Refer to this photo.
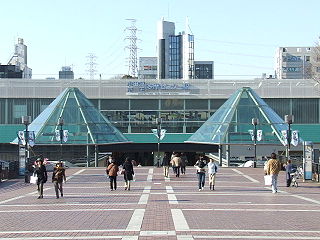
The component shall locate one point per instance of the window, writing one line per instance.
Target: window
(307, 58)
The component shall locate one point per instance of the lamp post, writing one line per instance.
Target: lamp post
(289, 120)
(26, 121)
(255, 122)
(61, 122)
(158, 122)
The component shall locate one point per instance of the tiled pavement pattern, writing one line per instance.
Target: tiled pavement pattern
(241, 207)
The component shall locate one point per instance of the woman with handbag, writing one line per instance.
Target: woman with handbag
(41, 173)
(112, 171)
(128, 173)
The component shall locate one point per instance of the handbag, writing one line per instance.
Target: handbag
(267, 180)
(33, 179)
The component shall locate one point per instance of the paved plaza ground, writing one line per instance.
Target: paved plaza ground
(241, 207)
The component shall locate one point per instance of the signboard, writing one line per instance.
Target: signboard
(162, 133)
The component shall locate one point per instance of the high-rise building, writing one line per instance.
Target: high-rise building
(66, 73)
(20, 59)
(294, 62)
(175, 52)
(203, 70)
(147, 68)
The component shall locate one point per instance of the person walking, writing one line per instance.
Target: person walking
(166, 164)
(41, 172)
(176, 164)
(112, 171)
(58, 176)
(289, 169)
(201, 172)
(273, 168)
(184, 161)
(128, 173)
(212, 170)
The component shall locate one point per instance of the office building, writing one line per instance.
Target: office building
(66, 73)
(294, 62)
(203, 70)
(20, 59)
(175, 52)
(147, 68)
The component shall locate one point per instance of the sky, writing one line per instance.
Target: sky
(240, 36)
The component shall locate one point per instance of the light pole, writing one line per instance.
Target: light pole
(289, 120)
(26, 120)
(255, 122)
(61, 122)
(158, 122)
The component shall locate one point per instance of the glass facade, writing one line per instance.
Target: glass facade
(175, 57)
(179, 115)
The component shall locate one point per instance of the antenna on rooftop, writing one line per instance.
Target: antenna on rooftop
(133, 49)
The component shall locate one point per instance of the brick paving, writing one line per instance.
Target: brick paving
(241, 207)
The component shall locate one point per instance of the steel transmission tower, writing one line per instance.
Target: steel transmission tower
(91, 65)
(133, 57)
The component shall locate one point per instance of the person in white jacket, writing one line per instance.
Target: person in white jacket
(212, 170)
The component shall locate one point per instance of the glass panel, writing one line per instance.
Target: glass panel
(114, 104)
(143, 115)
(171, 104)
(216, 103)
(116, 115)
(196, 115)
(144, 104)
(305, 110)
(196, 104)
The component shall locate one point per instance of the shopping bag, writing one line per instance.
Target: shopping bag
(33, 179)
(267, 180)
(134, 177)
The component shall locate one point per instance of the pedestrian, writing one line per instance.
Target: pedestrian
(112, 171)
(201, 172)
(41, 172)
(128, 173)
(166, 164)
(58, 176)
(289, 169)
(212, 170)
(184, 161)
(273, 168)
(176, 164)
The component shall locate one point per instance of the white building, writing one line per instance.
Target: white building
(294, 62)
(20, 59)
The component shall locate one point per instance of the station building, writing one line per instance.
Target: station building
(133, 105)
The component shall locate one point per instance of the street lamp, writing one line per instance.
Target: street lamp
(289, 119)
(26, 120)
(61, 122)
(158, 122)
(255, 122)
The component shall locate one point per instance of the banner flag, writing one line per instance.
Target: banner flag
(31, 138)
(259, 135)
(251, 134)
(58, 135)
(295, 138)
(21, 138)
(65, 135)
(162, 133)
(285, 136)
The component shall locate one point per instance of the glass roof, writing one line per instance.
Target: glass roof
(85, 124)
(232, 122)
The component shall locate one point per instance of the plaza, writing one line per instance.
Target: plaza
(241, 207)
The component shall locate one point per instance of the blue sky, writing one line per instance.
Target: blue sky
(240, 36)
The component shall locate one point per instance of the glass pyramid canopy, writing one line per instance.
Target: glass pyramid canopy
(232, 122)
(85, 124)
